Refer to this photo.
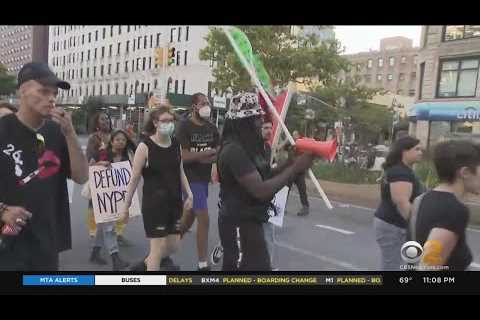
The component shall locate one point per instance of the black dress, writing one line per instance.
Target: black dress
(162, 194)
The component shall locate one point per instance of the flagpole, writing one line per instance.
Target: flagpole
(254, 77)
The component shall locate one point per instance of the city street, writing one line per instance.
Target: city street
(326, 240)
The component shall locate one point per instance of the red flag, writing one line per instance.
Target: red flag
(279, 104)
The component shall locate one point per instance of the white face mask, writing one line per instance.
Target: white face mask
(166, 129)
(204, 113)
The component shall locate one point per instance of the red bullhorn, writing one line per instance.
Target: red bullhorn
(325, 149)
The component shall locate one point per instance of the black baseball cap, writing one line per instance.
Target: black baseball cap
(40, 72)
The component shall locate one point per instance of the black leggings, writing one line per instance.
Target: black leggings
(255, 256)
(302, 189)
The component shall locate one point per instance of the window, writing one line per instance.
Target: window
(93, 90)
(390, 77)
(104, 33)
(176, 86)
(125, 87)
(117, 69)
(133, 65)
(127, 45)
(402, 76)
(118, 48)
(86, 90)
(126, 66)
(458, 78)
(151, 41)
(183, 86)
(95, 55)
(94, 72)
(178, 57)
(172, 30)
(103, 52)
(145, 38)
(111, 31)
(89, 37)
(403, 60)
(81, 57)
(138, 42)
(369, 63)
(134, 44)
(411, 92)
(101, 70)
(422, 73)
(461, 32)
(186, 33)
(380, 62)
(96, 37)
(179, 34)
(119, 31)
(155, 84)
(88, 55)
(144, 62)
(109, 69)
(88, 72)
(391, 61)
(138, 64)
(149, 63)
(185, 58)
(100, 90)
(158, 40)
(148, 87)
(379, 77)
(128, 28)
(110, 50)
(142, 87)
(81, 73)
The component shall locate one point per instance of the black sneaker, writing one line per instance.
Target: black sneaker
(304, 212)
(95, 257)
(139, 266)
(216, 255)
(167, 264)
(204, 269)
(122, 242)
(118, 263)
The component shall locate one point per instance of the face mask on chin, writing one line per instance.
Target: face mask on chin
(204, 113)
(166, 129)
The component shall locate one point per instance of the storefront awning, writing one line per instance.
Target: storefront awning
(446, 111)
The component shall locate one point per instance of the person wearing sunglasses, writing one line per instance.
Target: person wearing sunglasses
(39, 150)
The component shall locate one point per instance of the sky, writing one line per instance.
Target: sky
(362, 38)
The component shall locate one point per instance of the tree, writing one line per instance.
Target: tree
(8, 83)
(286, 56)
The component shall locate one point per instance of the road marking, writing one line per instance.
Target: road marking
(347, 205)
(473, 230)
(334, 229)
(333, 261)
(475, 265)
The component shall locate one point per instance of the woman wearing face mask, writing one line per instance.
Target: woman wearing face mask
(120, 148)
(159, 160)
(399, 188)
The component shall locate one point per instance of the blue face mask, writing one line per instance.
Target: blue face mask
(166, 129)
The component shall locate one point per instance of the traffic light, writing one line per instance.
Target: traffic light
(159, 56)
(171, 56)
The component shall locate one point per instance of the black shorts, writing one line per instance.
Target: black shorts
(26, 254)
(161, 222)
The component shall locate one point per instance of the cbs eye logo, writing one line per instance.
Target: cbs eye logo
(411, 252)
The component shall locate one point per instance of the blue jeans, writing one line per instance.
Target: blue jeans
(390, 238)
(106, 236)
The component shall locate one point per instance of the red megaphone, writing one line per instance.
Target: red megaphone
(327, 149)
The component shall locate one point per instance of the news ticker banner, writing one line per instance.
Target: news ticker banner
(202, 280)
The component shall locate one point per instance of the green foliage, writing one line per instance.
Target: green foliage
(285, 56)
(8, 83)
(337, 172)
(425, 171)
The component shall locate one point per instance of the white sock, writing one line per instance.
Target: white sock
(202, 264)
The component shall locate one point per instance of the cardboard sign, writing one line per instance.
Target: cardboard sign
(109, 188)
(280, 202)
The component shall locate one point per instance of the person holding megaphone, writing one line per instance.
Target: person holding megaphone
(248, 185)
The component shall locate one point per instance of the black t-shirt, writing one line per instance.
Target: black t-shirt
(443, 210)
(387, 211)
(44, 172)
(235, 200)
(197, 138)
